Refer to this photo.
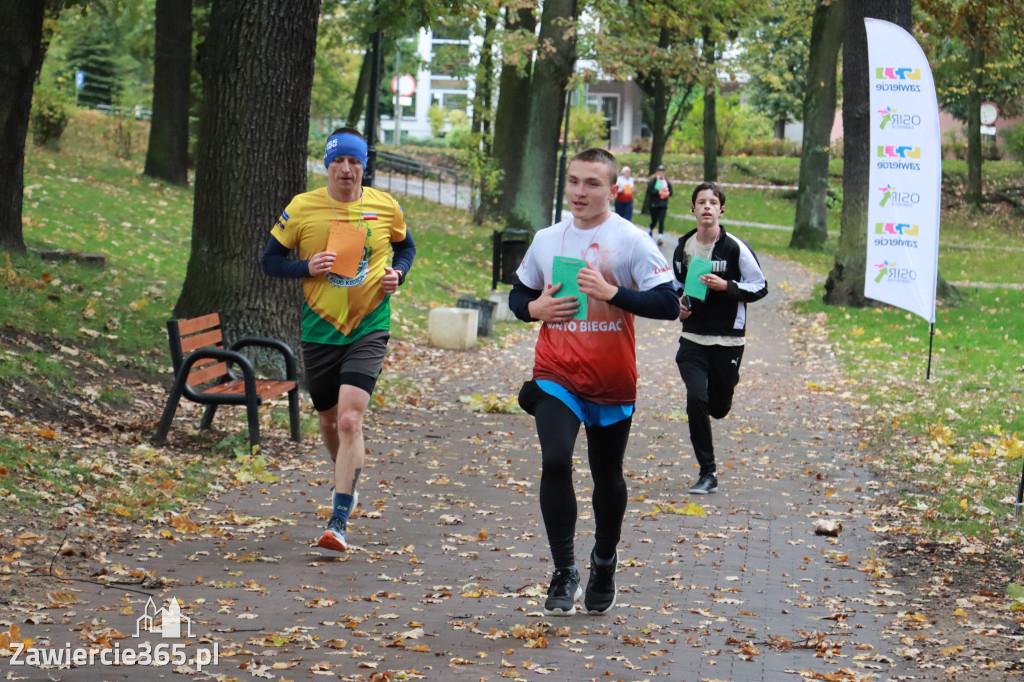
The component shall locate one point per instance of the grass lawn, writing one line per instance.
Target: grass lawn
(952, 443)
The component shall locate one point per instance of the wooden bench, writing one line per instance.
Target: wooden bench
(203, 373)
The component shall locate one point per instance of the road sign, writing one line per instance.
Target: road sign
(404, 85)
(79, 80)
(989, 113)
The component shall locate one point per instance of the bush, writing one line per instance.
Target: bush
(834, 194)
(642, 145)
(954, 145)
(768, 147)
(438, 116)
(315, 143)
(51, 111)
(737, 125)
(125, 134)
(587, 128)
(461, 137)
(836, 150)
(1013, 140)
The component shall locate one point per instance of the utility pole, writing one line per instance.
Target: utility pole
(398, 99)
(372, 107)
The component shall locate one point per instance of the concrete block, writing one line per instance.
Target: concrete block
(502, 313)
(452, 328)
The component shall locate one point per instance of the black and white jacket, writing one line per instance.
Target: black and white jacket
(723, 313)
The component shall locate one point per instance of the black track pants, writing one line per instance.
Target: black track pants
(710, 374)
(557, 428)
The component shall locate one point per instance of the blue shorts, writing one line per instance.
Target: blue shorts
(588, 412)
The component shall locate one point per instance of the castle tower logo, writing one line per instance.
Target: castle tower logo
(167, 622)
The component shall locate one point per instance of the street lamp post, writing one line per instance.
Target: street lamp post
(371, 111)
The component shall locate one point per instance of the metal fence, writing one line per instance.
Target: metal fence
(447, 186)
(401, 175)
(137, 112)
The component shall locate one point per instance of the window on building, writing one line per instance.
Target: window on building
(451, 31)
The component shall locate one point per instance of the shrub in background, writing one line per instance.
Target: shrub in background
(759, 146)
(642, 145)
(1013, 140)
(738, 125)
(125, 134)
(438, 116)
(954, 145)
(461, 134)
(587, 128)
(52, 105)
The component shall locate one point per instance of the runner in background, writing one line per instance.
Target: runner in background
(624, 196)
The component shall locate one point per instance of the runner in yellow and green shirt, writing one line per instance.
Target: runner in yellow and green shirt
(345, 235)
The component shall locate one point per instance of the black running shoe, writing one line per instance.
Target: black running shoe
(563, 593)
(601, 592)
(707, 483)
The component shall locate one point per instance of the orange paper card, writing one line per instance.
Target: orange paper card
(346, 240)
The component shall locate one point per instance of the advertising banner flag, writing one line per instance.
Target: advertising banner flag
(906, 173)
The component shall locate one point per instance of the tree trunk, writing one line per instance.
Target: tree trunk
(810, 228)
(257, 69)
(535, 195)
(976, 66)
(511, 112)
(659, 138)
(167, 154)
(355, 112)
(658, 90)
(484, 84)
(710, 121)
(845, 283)
(23, 47)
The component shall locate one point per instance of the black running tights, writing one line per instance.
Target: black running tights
(557, 428)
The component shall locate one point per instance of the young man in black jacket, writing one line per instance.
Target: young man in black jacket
(712, 340)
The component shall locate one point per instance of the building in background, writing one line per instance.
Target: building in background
(619, 101)
(450, 86)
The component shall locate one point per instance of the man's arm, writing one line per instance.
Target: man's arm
(659, 303)
(519, 300)
(276, 262)
(752, 285)
(405, 252)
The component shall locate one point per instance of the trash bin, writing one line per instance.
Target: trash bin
(485, 313)
(513, 247)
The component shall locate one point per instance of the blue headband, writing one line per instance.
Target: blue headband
(345, 144)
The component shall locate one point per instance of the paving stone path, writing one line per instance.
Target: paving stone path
(449, 565)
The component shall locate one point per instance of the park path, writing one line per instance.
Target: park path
(446, 576)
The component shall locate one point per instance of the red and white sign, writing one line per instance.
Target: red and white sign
(403, 85)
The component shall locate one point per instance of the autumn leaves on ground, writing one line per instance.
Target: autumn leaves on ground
(833, 423)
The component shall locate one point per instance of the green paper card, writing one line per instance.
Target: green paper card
(693, 287)
(563, 271)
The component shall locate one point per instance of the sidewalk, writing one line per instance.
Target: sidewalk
(449, 566)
